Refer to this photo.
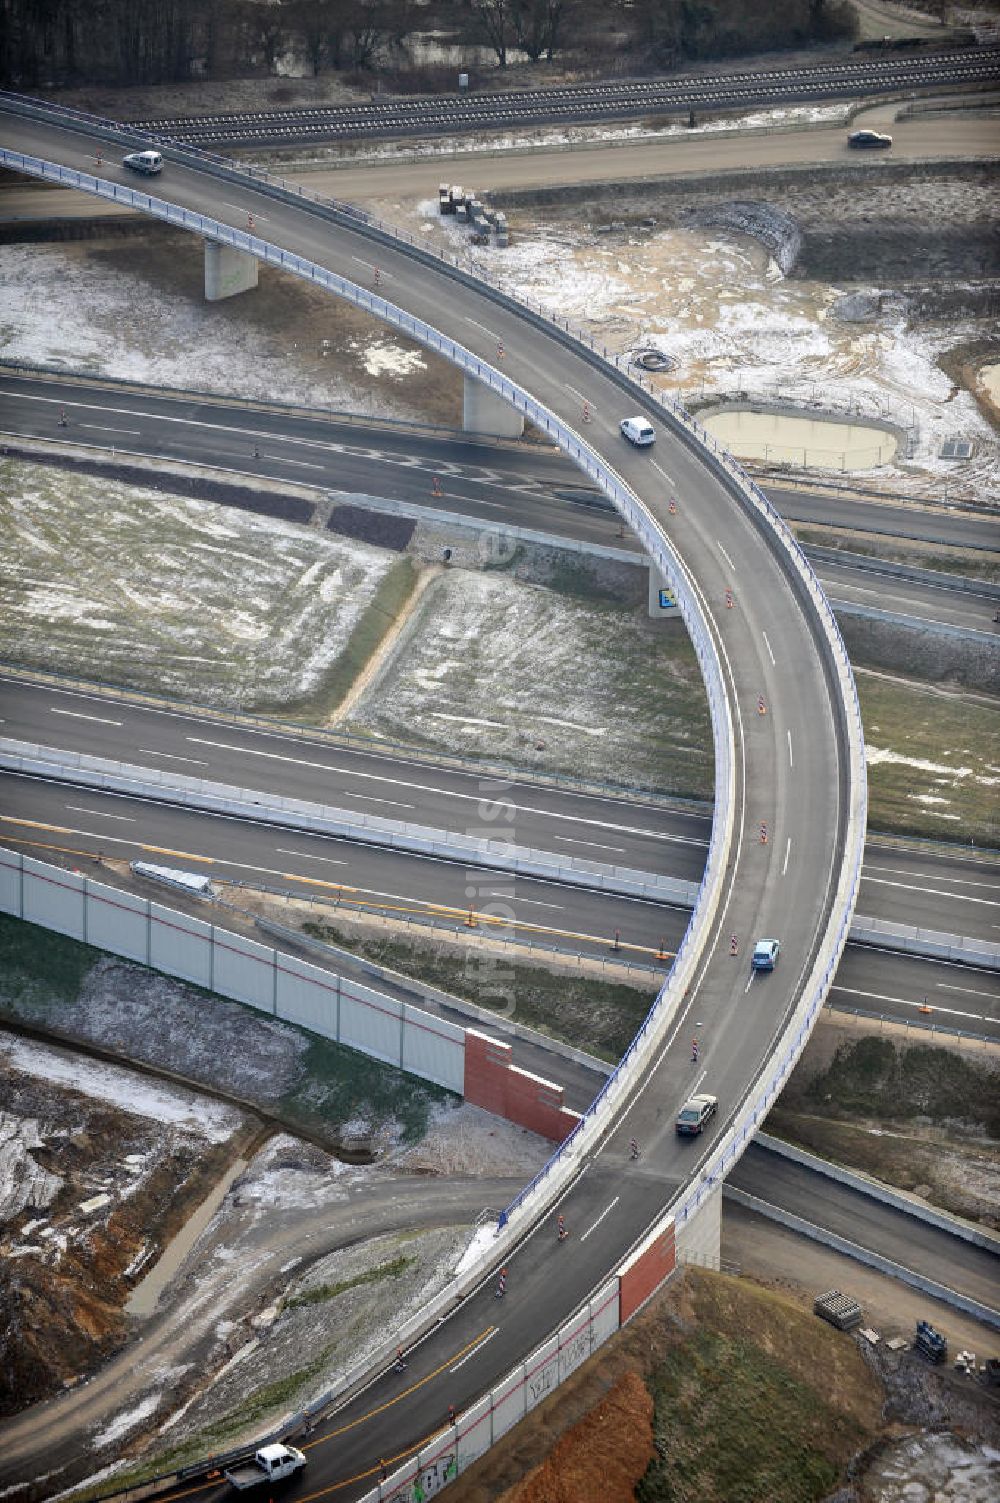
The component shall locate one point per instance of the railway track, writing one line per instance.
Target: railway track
(583, 104)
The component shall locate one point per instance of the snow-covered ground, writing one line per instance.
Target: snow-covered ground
(160, 592)
(494, 667)
(721, 308)
(133, 317)
(124, 1089)
(934, 1468)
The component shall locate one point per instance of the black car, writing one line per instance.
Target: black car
(694, 1114)
(868, 138)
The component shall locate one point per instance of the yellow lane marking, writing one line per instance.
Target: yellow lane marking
(214, 1480)
(352, 895)
(156, 850)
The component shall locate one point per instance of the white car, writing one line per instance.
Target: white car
(148, 162)
(638, 431)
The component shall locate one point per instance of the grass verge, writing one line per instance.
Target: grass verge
(973, 563)
(597, 1015)
(320, 1293)
(932, 763)
(377, 619)
(758, 1403)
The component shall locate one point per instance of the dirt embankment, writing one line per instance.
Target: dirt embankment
(117, 1187)
(721, 1389)
(921, 1117)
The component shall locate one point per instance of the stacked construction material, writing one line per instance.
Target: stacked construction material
(471, 210)
(930, 1343)
(839, 1309)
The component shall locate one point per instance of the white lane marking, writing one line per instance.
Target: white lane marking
(450, 793)
(595, 1224)
(725, 555)
(100, 814)
(788, 852)
(871, 866)
(933, 892)
(699, 1082)
(151, 751)
(970, 991)
(305, 856)
(769, 652)
(516, 898)
(475, 1350)
(791, 759)
(242, 209)
(76, 715)
(303, 464)
(571, 389)
(101, 428)
(750, 982)
(370, 798)
(661, 471)
(491, 332)
(383, 275)
(591, 844)
(952, 1012)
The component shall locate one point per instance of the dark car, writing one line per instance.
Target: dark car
(868, 138)
(694, 1114)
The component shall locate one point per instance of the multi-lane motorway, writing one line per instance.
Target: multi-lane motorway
(901, 883)
(528, 486)
(773, 649)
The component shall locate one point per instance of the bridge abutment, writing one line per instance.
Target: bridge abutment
(699, 1238)
(485, 412)
(228, 271)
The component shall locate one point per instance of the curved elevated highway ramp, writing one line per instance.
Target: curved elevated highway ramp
(789, 767)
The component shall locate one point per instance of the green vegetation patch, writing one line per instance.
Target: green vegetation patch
(932, 760)
(340, 1085)
(600, 1016)
(379, 616)
(46, 979)
(39, 966)
(320, 1293)
(756, 1404)
(874, 1077)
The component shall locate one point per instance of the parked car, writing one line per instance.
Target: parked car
(638, 431)
(868, 138)
(694, 1114)
(765, 953)
(148, 162)
(271, 1464)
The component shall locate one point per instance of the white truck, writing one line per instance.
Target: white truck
(269, 1464)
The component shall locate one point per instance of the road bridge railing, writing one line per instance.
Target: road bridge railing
(89, 771)
(651, 535)
(833, 922)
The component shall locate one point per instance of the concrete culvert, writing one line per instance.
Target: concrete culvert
(653, 360)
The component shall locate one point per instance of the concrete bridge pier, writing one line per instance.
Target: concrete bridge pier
(699, 1239)
(228, 271)
(484, 412)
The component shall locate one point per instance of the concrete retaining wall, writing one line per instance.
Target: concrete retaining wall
(865, 1255)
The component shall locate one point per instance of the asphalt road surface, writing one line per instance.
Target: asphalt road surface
(790, 769)
(917, 1245)
(948, 889)
(50, 820)
(525, 485)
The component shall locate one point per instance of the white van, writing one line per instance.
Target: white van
(144, 161)
(638, 431)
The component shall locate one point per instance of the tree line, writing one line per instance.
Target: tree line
(52, 43)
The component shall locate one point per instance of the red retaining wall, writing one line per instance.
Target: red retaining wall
(645, 1271)
(492, 1082)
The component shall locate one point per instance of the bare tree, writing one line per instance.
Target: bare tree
(494, 17)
